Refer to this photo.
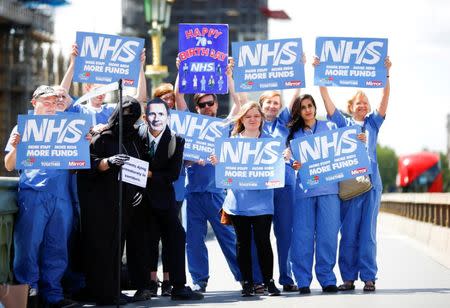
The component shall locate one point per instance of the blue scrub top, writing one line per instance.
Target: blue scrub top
(325, 189)
(180, 186)
(249, 202)
(278, 128)
(202, 179)
(372, 123)
(98, 116)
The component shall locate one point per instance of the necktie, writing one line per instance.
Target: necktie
(151, 151)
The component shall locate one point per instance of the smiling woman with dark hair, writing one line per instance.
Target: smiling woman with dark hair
(315, 216)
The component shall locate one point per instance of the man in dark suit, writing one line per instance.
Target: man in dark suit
(165, 157)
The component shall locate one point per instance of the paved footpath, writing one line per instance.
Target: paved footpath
(408, 277)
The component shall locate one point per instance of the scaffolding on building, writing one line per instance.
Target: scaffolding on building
(27, 60)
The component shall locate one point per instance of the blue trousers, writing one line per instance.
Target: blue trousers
(358, 246)
(41, 233)
(316, 222)
(282, 228)
(200, 208)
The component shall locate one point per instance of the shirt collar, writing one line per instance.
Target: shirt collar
(156, 139)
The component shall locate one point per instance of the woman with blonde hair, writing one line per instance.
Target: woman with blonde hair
(251, 209)
(358, 247)
(274, 124)
(165, 92)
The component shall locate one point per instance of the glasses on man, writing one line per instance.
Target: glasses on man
(203, 105)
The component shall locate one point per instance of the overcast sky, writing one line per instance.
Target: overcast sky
(419, 46)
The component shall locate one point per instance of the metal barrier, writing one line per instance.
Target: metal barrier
(426, 207)
(8, 206)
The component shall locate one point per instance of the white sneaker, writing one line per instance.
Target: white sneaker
(200, 287)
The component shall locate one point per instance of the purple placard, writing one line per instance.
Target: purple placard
(203, 54)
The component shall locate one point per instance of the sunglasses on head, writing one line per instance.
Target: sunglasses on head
(203, 105)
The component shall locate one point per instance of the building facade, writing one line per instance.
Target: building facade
(26, 61)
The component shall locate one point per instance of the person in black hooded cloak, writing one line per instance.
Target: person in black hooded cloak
(99, 216)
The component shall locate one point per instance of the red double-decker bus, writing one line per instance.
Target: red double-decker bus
(420, 172)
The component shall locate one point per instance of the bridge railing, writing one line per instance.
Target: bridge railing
(426, 207)
(8, 207)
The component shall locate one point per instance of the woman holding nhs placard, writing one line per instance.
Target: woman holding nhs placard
(275, 120)
(357, 249)
(316, 211)
(251, 211)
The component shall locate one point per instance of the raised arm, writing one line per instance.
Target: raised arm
(234, 96)
(10, 157)
(297, 90)
(141, 94)
(66, 82)
(180, 103)
(294, 97)
(382, 108)
(329, 105)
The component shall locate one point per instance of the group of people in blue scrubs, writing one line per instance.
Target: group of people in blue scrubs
(306, 222)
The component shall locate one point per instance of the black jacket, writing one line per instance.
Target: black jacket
(159, 191)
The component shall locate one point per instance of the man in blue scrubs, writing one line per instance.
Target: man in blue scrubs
(44, 219)
(204, 201)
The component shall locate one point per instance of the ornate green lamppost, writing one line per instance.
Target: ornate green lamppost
(157, 14)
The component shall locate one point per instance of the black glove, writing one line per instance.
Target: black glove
(117, 160)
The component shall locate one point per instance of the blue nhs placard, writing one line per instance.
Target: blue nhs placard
(268, 65)
(203, 54)
(250, 163)
(199, 132)
(351, 62)
(104, 58)
(53, 141)
(331, 156)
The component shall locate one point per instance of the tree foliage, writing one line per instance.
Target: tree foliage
(445, 173)
(388, 166)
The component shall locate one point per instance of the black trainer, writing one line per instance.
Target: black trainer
(304, 290)
(330, 289)
(65, 303)
(247, 289)
(290, 288)
(185, 293)
(142, 295)
(166, 288)
(272, 289)
(109, 301)
(153, 288)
